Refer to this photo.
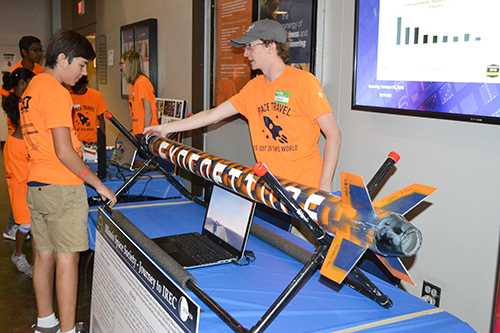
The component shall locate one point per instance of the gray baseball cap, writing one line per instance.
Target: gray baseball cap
(263, 29)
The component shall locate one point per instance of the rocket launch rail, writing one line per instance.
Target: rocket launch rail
(296, 200)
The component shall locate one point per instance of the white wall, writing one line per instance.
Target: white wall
(461, 225)
(174, 50)
(15, 22)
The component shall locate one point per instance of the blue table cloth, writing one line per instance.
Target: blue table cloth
(247, 292)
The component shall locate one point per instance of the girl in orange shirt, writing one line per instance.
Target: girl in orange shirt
(141, 98)
(16, 164)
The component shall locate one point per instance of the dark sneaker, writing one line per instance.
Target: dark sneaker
(54, 329)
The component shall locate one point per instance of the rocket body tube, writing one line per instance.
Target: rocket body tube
(237, 177)
(341, 216)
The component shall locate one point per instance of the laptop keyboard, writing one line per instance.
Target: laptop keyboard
(196, 248)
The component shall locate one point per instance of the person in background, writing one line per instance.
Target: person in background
(88, 111)
(31, 51)
(286, 110)
(56, 172)
(16, 164)
(141, 97)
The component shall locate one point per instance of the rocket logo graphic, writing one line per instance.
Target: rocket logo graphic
(275, 130)
(84, 120)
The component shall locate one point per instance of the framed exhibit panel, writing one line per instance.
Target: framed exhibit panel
(170, 110)
(231, 70)
(143, 38)
(298, 17)
(444, 66)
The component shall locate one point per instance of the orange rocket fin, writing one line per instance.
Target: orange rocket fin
(396, 267)
(404, 200)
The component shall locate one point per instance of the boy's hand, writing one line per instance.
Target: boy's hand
(106, 194)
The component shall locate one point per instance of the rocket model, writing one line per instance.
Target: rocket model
(357, 223)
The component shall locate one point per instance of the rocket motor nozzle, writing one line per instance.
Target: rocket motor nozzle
(395, 236)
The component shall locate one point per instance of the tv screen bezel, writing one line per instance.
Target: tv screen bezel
(406, 112)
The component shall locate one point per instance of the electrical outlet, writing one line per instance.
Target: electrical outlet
(431, 293)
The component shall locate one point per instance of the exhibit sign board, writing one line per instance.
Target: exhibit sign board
(298, 17)
(231, 70)
(130, 293)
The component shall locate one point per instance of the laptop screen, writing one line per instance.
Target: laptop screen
(228, 217)
(124, 152)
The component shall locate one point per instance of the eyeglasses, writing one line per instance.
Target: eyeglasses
(36, 50)
(249, 47)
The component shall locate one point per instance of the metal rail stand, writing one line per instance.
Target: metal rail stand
(149, 159)
(365, 286)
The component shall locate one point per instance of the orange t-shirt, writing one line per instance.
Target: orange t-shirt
(16, 168)
(46, 104)
(142, 88)
(37, 70)
(86, 109)
(282, 119)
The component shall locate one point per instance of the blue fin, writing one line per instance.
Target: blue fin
(341, 258)
(354, 193)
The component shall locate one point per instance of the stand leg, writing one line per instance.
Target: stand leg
(323, 238)
(151, 159)
(292, 289)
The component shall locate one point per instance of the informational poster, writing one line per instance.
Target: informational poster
(9, 60)
(231, 71)
(142, 45)
(297, 18)
(142, 37)
(130, 293)
(127, 45)
(170, 110)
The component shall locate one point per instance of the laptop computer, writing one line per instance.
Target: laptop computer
(124, 153)
(223, 237)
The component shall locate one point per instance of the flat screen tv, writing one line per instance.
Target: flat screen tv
(430, 58)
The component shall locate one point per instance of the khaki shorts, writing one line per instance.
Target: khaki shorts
(59, 217)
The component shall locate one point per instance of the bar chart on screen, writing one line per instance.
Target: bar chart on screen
(438, 41)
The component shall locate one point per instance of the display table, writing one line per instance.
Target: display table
(247, 292)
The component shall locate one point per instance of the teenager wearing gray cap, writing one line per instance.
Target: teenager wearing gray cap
(286, 109)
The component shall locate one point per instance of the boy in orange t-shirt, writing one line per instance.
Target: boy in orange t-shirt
(286, 110)
(56, 173)
(31, 51)
(88, 110)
